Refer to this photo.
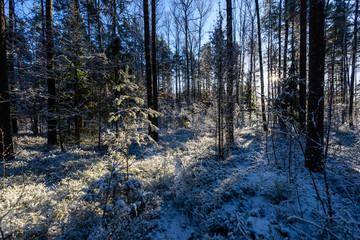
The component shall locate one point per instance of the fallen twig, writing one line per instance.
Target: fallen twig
(314, 224)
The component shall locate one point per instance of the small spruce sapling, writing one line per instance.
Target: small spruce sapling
(117, 193)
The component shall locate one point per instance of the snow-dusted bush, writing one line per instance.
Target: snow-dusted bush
(183, 120)
(117, 194)
(280, 191)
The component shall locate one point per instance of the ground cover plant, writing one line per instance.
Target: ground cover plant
(180, 189)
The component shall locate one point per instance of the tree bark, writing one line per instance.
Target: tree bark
(249, 82)
(314, 154)
(6, 147)
(88, 23)
(149, 87)
(230, 76)
(286, 16)
(261, 67)
(302, 83)
(186, 6)
(98, 21)
(279, 46)
(50, 55)
(155, 122)
(353, 67)
(14, 124)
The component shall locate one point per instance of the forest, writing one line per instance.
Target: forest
(179, 119)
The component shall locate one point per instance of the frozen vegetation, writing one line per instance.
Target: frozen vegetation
(181, 190)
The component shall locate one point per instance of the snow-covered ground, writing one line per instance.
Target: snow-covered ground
(253, 193)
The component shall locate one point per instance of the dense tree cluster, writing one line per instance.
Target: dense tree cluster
(61, 63)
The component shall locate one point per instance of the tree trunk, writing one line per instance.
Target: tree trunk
(11, 63)
(242, 74)
(279, 43)
(286, 16)
(353, 67)
(344, 72)
(155, 122)
(50, 77)
(149, 87)
(98, 21)
(77, 91)
(261, 67)
(249, 82)
(6, 147)
(230, 76)
(43, 29)
(187, 60)
(302, 83)
(114, 13)
(314, 154)
(88, 24)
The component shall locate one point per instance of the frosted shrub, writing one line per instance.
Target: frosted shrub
(183, 120)
(117, 194)
(280, 191)
(121, 202)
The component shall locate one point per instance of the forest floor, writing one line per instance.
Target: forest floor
(260, 190)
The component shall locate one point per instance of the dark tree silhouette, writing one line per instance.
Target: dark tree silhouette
(149, 87)
(50, 55)
(230, 76)
(5, 126)
(353, 66)
(261, 67)
(155, 122)
(14, 124)
(302, 83)
(315, 120)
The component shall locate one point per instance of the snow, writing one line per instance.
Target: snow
(190, 194)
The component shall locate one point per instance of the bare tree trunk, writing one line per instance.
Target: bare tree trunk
(279, 42)
(270, 63)
(177, 66)
(98, 20)
(230, 76)
(43, 29)
(14, 124)
(88, 23)
(149, 86)
(314, 153)
(155, 120)
(330, 99)
(77, 93)
(302, 83)
(261, 68)
(50, 55)
(344, 81)
(114, 15)
(286, 16)
(249, 85)
(242, 70)
(6, 147)
(186, 22)
(353, 67)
